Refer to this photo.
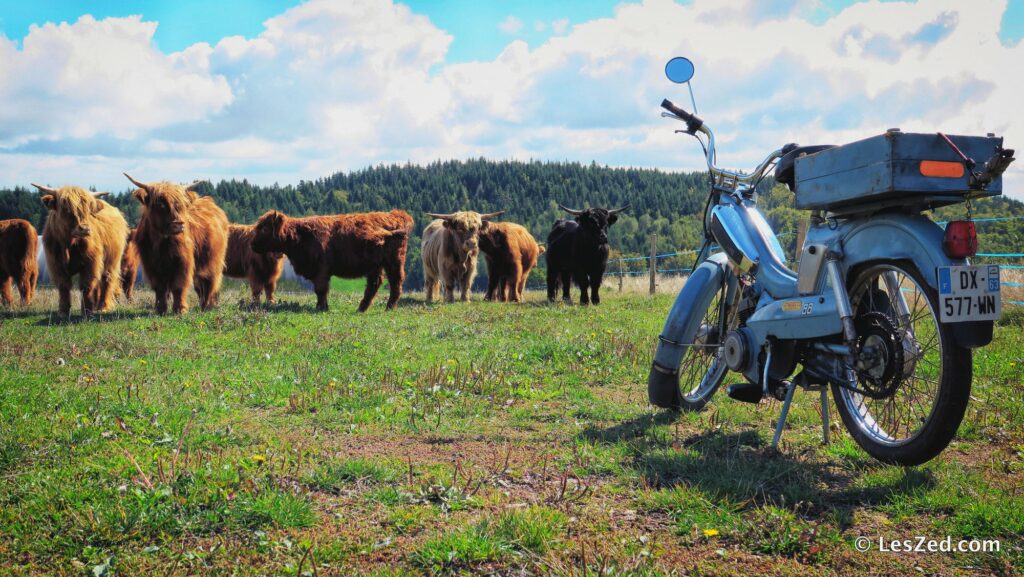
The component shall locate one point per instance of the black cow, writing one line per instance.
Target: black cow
(579, 251)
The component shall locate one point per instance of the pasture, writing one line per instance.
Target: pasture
(473, 438)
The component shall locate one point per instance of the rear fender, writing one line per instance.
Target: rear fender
(913, 238)
(683, 321)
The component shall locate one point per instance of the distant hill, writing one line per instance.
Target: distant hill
(669, 204)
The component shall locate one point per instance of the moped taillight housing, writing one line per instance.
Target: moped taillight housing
(961, 240)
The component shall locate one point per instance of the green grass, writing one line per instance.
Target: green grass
(456, 439)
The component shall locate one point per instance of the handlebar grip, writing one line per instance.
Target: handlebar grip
(693, 122)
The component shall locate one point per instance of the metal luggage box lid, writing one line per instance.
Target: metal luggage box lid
(885, 170)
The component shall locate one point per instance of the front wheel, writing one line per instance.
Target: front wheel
(703, 367)
(918, 377)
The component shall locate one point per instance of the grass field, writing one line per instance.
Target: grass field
(470, 438)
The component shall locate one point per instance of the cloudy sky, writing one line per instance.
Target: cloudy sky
(284, 91)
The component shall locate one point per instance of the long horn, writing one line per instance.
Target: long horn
(193, 186)
(620, 209)
(100, 194)
(141, 185)
(44, 188)
(571, 211)
(491, 215)
(441, 216)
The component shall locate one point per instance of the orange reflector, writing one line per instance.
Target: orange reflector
(942, 169)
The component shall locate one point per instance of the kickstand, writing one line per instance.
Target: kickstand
(782, 417)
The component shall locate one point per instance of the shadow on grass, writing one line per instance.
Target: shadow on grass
(55, 319)
(741, 467)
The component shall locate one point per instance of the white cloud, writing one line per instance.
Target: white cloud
(330, 86)
(510, 25)
(540, 26)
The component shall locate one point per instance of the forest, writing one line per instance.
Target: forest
(668, 204)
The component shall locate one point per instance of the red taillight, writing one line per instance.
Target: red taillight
(961, 239)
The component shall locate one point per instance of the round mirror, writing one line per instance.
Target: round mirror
(679, 70)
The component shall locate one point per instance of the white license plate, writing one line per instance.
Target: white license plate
(969, 293)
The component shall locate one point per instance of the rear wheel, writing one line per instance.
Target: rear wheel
(918, 377)
(703, 367)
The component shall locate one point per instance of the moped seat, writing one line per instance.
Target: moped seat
(784, 170)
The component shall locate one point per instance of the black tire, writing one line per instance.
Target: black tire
(698, 382)
(952, 385)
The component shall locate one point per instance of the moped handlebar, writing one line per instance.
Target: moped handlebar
(728, 179)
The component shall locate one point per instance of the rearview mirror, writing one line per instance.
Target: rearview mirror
(679, 70)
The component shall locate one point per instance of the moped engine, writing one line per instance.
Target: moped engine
(738, 350)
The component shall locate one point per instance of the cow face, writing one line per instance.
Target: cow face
(268, 233)
(71, 209)
(466, 228)
(594, 222)
(165, 205)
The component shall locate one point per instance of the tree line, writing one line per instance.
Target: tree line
(665, 203)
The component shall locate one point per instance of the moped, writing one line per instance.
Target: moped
(884, 306)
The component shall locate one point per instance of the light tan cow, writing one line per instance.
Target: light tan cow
(83, 236)
(451, 244)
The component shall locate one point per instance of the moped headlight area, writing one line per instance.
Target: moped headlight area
(729, 231)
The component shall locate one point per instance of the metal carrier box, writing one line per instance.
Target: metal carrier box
(893, 169)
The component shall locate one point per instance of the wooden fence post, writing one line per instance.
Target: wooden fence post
(622, 273)
(653, 261)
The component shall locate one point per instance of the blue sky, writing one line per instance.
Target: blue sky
(281, 90)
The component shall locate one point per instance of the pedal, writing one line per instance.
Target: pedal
(745, 392)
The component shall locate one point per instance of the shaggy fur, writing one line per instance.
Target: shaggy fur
(450, 247)
(182, 240)
(511, 253)
(83, 236)
(129, 266)
(261, 269)
(369, 245)
(578, 251)
(18, 248)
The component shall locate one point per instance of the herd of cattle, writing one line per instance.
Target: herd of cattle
(185, 240)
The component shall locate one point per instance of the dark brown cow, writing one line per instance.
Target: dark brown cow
(262, 269)
(511, 253)
(182, 240)
(369, 244)
(129, 266)
(83, 236)
(18, 250)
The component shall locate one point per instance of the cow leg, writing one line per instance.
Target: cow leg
(127, 285)
(595, 286)
(429, 287)
(567, 286)
(492, 285)
(64, 296)
(255, 287)
(512, 283)
(27, 287)
(583, 282)
(268, 290)
(213, 283)
(373, 282)
(521, 288)
(448, 287)
(552, 284)
(180, 298)
(162, 293)
(5, 291)
(90, 281)
(321, 286)
(396, 276)
(108, 288)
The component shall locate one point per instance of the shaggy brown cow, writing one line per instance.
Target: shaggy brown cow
(83, 236)
(450, 248)
(129, 266)
(182, 240)
(369, 244)
(261, 269)
(511, 253)
(18, 249)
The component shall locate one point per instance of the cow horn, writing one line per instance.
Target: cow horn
(441, 216)
(193, 186)
(100, 194)
(571, 211)
(491, 215)
(45, 188)
(141, 185)
(620, 209)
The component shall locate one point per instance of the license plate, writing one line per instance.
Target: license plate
(969, 293)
